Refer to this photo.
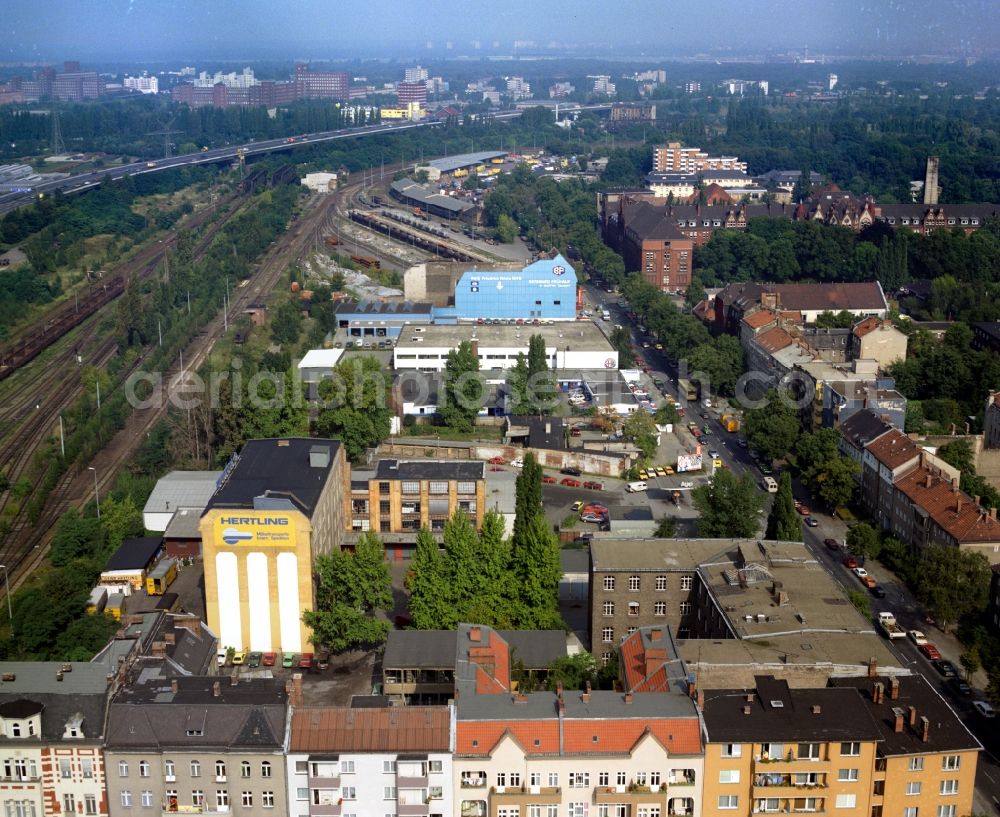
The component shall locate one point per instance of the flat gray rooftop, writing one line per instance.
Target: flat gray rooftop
(577, 335)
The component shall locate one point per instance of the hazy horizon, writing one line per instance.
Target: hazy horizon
(108, 30)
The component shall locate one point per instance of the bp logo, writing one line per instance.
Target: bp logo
(474, 286)
(558, 269)
(609, 363)
(231, 536)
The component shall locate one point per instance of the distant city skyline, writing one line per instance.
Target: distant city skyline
(316, 29)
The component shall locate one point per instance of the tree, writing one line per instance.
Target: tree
(286, 324)
(530, 381)
(622, 341)
(834, 482)
(506, 229)
(640, 428)
(120, 518)
(574, 671)
(952, 583)
(534, 556)
(863, 540)
(666, 528)
(773, 429)
(76, 537)
(835, 320)
(350, 588)
(356, 406)
(783, 522)
(428, 585)
(971, 661)
(461, 389)
(728, 506)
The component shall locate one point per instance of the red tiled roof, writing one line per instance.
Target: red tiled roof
(644, 667)
(832, 297)
(761, 317)
(774, 340)
(893, 449)
(869, 324)
(952, 510)
(619, 735)
(396, 729)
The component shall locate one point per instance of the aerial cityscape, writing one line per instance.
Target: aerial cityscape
(524, 410)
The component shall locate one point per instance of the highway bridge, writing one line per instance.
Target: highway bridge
(83, 181)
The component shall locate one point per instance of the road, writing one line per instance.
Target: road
(898, 599)
(83, 181)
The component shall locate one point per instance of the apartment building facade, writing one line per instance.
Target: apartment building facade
(674, 158)
(343, 762)
(198, 746)
(51, 737)
(405, 496)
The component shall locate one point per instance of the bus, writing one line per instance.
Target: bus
(688, 390)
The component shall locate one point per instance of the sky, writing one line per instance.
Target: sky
(328, 29)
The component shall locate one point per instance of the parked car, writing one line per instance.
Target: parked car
(831, 544)
(239, 657)
(877, 591)
(569, 482)
(960, 687)
(742, 443)
(802, 509)
(644, 474)
(594, 486)
(917, 637)
(945, 668)
(850, 562)
(269, 659)
(306, 660)
(548, 479)
(288, 660)
(573, 472)
(575, 432)
(930, 651)
(593, 516)
(577, 506)
(860, 572)
(222, 657)
(984, 709)
(595, 507)
(518, 463)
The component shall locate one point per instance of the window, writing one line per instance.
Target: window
(169, 770)
(245, 768)
(633, 608)
(732, 750)
(847, 775)
(65, 768)
(631, 630)
(383, 487)
(951, 763)
(195, 768)
(411, 487)
(265, 768)
(774, 751)
(729, 776)
(946, 811)
(347, 767)
(687, 582)
(661, 583)
(607, 635)
(852, 749)
(388, 792)
(659, 608)
(602, 778)
(911, 811)
(267, 799)
(913, 788)
(438, 487)
(608, 608)
(466, 487)
(435, 766)
(577, 810)
(197, 798)
(949, 787)
(143, 768)
(126, 798)
(69, 804)
(634, 583)
(808, 751)
(609, 582)
(847, 800)
(685, 608)
(384, 506)
(247, 799)
(222, 798)
(553, 779)
(90, 804)
(349, 793)
(579, 780)
(729, 801)
(123, 768)
(916, 764)
(509, 811)
(146, 799)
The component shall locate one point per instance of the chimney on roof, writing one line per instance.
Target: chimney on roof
(559, 689)
(655, 634)
(216, 689)
(993, 514)
(898, 724)
(67, 667)
(913, 716)
(234, 679)
(628, 697)
(692, 687)
(747, 709)
(817, 709)
(701, 699)
(894, 689)
(925, 729)
(561, 707)
(296, 697)
(954, 484)
(8, 676)
(475, 634)
(548, 426)
(958, 504)
(168, 638)
(59, 675)
(173, 685)
(928, 480)
(520, 698)
(878, 692)
(872, 667)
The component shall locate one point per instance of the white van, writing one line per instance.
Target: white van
(635, 487)
(770, 485)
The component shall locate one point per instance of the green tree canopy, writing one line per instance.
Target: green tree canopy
(784, 522)
(462, 389)
(728, 505)
(772, 429)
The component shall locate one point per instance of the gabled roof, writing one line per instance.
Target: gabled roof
(651, 223)
(893, 449)
(862, 427)
(760, 318)
(865, 295)
(650, 662)
(774, 339)
(951, 508)
(395, 729)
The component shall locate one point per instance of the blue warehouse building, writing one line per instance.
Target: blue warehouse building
(546, 289)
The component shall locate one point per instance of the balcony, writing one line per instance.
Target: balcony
(413, 809)
(325, 810)
(473, 783)
(411, 782)
(324, 782)
(762, 765)
(517, 795)
(632, 795)
(197, 810)
(782, 785)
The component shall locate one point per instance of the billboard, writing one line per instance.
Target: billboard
(239, 528)
(688, 462)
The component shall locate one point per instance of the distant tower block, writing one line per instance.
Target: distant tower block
(931, 180)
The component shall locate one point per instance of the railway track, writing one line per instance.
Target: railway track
(25, 552)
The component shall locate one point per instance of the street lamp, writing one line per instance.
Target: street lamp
(97, 497)
(6, 581)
